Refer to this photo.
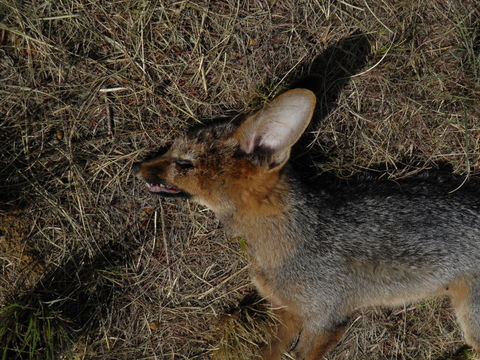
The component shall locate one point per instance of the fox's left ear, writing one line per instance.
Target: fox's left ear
(277, 127)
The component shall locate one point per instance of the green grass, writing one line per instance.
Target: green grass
(31, 332)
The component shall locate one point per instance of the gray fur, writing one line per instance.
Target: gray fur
(383, 248)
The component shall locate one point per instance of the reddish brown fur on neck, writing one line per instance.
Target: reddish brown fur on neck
(255, 190)
(260, 211)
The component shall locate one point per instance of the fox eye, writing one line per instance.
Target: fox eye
(184, 164)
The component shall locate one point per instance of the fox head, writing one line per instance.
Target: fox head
(233, 168)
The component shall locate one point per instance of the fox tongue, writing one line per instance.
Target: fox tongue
(162, 188)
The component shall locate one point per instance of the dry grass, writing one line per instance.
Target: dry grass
(88, 87)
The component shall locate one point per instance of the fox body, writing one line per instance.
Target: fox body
(319, 255)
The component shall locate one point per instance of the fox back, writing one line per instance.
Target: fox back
(318, 254)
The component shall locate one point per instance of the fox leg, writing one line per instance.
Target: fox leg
(465, 296)
(314, 345)
(286, 329)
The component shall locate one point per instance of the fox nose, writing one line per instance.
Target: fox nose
(136, 167)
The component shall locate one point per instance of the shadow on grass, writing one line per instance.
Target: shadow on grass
(332, 70)
(327, 76)
(11, 185)
(463, 353)
(65, 304)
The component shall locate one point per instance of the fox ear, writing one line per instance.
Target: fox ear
(277, 127)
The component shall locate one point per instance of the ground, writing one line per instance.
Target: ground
(93, 267)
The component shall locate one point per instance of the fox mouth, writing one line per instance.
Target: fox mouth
(165, 189)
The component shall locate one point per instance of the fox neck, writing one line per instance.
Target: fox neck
(266, 218)
(269, 243)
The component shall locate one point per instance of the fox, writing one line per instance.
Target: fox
(319, 255)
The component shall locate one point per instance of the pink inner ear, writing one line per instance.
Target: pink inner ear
(250, 142)
(278, 135)
(279, 124)
(247, 136)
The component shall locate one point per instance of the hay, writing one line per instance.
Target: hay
(89, 87)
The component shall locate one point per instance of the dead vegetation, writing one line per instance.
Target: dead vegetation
(89, 87)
